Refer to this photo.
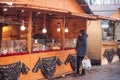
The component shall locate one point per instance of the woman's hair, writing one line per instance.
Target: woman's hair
(84, 34)
(82, 31)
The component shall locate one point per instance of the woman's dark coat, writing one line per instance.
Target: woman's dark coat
(81, 46)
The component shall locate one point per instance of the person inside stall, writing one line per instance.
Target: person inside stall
(41, 42)
(43, 38)
(109, 35)
(81, 49)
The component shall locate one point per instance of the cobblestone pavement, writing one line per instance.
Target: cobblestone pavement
(105, 72)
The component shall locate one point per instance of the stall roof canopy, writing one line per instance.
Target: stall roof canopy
(104, 10)
(84, 6)
(88, 13)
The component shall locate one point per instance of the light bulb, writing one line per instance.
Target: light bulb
(66, 30)
(105, 26)
(22, 28)
(44, 30)
(5, 9)
(58, 29)
(22, 10)
(38, 13)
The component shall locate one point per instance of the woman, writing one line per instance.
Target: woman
(81, 49)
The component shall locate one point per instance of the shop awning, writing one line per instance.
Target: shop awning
(40, 8)
(35, 8)
(51, 10)
(57, 11)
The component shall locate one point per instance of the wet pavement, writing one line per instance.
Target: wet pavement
(105, 72)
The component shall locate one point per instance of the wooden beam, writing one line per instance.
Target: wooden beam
(105, 18)
(83, 15)
(83, 4)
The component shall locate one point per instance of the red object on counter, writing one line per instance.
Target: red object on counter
(13, 54)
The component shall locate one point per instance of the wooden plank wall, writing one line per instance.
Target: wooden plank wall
(74, 25)
(6, 32)
(31, 59)
(94, 39)
(13, 32)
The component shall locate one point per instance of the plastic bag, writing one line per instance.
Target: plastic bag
(86, 63)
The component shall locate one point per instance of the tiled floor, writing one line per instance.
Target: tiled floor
(106, 72)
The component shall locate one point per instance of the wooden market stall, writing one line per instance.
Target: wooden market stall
(102, 40)
(40, 29)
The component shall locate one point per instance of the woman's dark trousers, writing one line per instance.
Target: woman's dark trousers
(79, 63)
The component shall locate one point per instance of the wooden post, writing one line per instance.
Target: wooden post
(86, 24)
(29, 32)
(0, 34)
(63, 32)
(114, 31)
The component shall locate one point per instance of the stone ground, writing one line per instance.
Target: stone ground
(105, 72)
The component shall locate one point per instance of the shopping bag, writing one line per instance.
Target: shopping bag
(86, 63)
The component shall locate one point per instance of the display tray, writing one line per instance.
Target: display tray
(69, 48)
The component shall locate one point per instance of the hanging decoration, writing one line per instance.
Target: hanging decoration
(44, 30)
(22, 28)
(47, 66)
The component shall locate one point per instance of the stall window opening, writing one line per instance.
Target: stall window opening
(107, 30)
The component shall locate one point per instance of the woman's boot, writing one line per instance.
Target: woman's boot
(76, 73)
(83, 72)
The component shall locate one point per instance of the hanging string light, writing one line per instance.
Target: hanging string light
(58, 27)
(5, 9)
(66, 28)
(22, 28)
(44, 30)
